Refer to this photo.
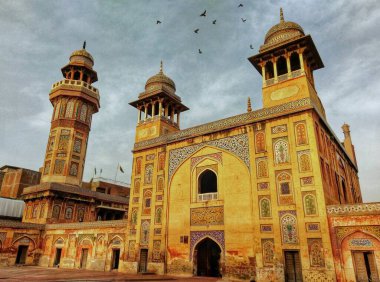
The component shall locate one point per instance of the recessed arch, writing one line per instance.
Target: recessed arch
(281, 66)
(25, 237)
(295, 63)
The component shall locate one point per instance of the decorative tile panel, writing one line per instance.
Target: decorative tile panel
(279, 129)
(216, 156)
(237, 145)
(313, 227)
(207, 216)
(266, 228)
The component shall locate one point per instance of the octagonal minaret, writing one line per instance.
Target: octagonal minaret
(75, 100)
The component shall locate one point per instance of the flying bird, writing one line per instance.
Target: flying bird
(158, 22)
(196, 31)
(240, 5)
(250, 46)
(199, 51)
(243, 20)
(203, 14)
(214, 22)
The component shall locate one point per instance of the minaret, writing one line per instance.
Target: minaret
(286, 62)
(75, 100)
(347, 143)
(159, 108)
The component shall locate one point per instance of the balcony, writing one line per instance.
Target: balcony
(74, 84)
(207, 197)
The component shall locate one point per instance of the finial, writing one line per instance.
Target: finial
(249, 108)
(84, 44)
(161, 68)
(281, 15)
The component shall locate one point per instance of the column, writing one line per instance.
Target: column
(275, 69)
(160, 107)
(166, 113)
(178, 118)
(146, 111)
(81, 75)
(138, 114)
(301, 61)
(288, 65)
(263, 74)
(153, 106)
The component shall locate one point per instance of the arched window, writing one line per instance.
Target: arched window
(56, 210)
(69, 109)
(265, 210)
(85, 77)
(138, 166)
(289, 229)
(283, 182)
(80, 214)
(269, 71)
(310, 205)
(281, 66)
(83, 112)
(158, 216)
(76, 75)
(207, 182)
(295, 61)
(68, 213)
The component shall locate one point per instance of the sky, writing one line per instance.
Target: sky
(37, 38)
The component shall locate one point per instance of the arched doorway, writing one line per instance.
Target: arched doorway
(208, 258)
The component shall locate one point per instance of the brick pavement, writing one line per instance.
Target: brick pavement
(35, 273)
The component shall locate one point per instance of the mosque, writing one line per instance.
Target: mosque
(266, 195)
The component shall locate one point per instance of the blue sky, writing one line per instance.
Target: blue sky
(127, 45)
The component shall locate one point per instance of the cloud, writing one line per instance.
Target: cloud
(122, 36)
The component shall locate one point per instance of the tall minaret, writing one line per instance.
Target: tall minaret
(74, 100)
(286, 61)
(159, 108)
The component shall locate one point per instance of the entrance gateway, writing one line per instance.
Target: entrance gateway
(365, 266)
(83, 259)
(57, 258)
(115, 259)
(207, 255)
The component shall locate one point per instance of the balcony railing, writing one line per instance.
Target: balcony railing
(283, 77)
(207, 197)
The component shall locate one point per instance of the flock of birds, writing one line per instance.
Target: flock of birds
(213, 22)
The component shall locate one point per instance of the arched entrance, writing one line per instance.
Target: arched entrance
(208, 258)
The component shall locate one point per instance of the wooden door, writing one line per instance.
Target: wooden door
(365, 267)
(143, 260)
(83, 260)
(293, 269)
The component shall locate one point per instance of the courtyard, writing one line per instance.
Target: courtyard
(35, 273)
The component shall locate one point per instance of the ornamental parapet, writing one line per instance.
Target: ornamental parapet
(89, 225)
(354, 209)
(234, 121)
(76, 85)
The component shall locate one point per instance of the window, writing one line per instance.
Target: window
(80, 214)
(207, 182)
(281, 66)
(68, 213)
(269, 71)
(56, 210)
(265, 210)
(295, 61)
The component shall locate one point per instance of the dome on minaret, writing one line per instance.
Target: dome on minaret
(159, 79)
(282, 32)
(82, 57)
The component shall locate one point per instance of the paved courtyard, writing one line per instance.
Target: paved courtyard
(34, 273)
